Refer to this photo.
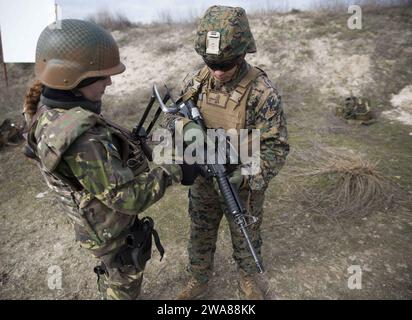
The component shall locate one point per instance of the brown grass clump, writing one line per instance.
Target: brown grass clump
(340, 182)
(111, 21)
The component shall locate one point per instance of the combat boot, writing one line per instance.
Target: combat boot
(194, 289)
(249, 287)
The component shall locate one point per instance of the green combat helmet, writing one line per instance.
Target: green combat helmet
(356, 109)
(73, 51)
(223, 34)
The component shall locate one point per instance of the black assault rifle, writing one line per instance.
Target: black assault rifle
(218, 171)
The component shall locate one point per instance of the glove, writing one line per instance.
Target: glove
(193, 129)
(236, 179)
(189, 173)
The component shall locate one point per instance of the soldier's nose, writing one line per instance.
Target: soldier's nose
(219, 73)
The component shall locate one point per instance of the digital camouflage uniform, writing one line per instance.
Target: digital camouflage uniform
(99, 174)
(247, 101)
(206, 208)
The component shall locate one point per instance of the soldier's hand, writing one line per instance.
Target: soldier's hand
(193, 133)
(236, 178)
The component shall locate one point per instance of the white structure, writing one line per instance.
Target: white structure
(21, 22)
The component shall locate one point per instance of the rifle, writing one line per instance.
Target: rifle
(139, 133)
(218, 171)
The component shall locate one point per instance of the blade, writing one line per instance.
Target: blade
(165, 109)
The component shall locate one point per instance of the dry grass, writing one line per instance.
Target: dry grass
(340, 182)
(342, 5)
(169, 17)
(111, 21)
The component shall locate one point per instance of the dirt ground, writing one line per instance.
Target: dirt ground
(316, 62)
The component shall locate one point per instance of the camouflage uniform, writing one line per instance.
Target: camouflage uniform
(248, 100)
(206, 208)
(99, 174)
(101, 194)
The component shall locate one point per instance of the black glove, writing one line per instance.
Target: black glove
(189, 173)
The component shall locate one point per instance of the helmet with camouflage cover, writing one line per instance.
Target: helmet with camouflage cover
(75, 51)
(224, 34)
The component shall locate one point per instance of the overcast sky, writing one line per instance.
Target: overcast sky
(147, 11)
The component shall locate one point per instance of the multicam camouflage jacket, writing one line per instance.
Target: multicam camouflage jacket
(264, 112)
(101, 177)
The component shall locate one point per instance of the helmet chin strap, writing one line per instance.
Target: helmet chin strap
(77, 92)
(238, 65)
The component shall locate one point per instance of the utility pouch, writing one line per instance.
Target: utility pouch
(137, 249)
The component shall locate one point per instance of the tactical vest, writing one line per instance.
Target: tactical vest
(220, 109)
(81, 206)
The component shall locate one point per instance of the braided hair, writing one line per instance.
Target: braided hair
(31, 100)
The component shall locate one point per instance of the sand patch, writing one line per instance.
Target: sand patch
(402, 102)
